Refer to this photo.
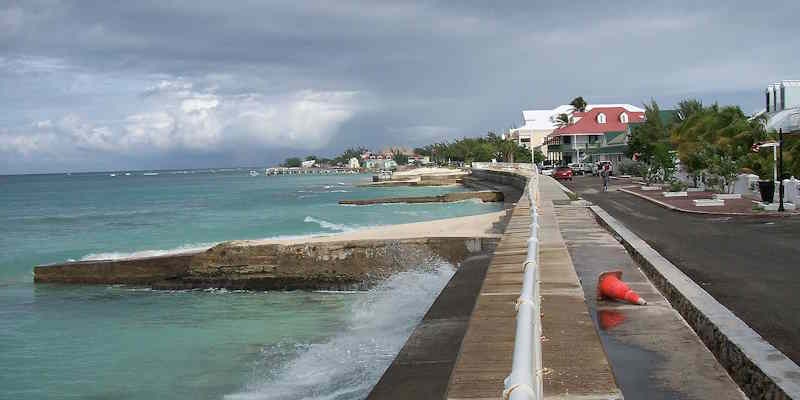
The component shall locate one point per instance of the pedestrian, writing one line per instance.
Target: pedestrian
(605, 172)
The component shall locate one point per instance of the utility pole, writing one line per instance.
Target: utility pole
(780, 170)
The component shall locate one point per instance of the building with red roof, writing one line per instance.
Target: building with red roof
(599, 133)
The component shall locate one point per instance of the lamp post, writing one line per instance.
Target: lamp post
(780, 170)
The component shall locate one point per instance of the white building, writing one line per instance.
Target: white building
(353, 163)
(783, 105)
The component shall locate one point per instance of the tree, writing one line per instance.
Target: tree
(399, 157)
(562, 120)
(293, 162)
(351, 152)
(423, 151)
(579, 104)
(717, 141)
(650, 142)
(508, 149)
(311, 157)
(538, 156)
(689, 107)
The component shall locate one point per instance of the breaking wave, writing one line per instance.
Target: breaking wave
(329, 225)
(349, 364)
(115, 255)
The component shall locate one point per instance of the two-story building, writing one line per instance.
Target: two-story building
(599, 133)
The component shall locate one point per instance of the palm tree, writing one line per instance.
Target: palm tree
(579, 104)
(562, 120)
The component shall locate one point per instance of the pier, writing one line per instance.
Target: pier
(310, 171)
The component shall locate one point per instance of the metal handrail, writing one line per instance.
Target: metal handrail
(525, 380)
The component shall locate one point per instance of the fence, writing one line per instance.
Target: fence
(525, 380)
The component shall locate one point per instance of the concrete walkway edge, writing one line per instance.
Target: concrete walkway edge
(678, 209)
(760, 370)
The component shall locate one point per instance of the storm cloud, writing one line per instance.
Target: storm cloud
(179, 84)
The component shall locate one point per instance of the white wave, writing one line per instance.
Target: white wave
(327, 186)
(115, 255)
(328, 225)
(339, 191)
(351, 362)
(341, 184)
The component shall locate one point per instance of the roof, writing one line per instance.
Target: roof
(788, 120)
(627, 107)
(543, 119)
(588, 124)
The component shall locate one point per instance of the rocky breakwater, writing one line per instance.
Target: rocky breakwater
(333, 265)
(489, 195)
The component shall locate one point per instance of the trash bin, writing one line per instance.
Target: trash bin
(767, 189)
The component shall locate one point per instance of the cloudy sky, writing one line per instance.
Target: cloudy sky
(178, 84)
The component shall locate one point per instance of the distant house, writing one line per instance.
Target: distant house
(599, 133)
(353, 163)
(309, 163)
(419, 160)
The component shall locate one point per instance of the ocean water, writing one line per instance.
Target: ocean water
(76, 342)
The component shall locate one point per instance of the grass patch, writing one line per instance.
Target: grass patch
(572, 196)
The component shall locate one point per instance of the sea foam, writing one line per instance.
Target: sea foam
(329, 225)
(349, 364)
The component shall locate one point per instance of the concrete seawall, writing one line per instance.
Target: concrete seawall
(354, 264)
(484, 196)
(463, 347)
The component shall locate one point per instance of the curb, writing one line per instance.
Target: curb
(760, 370)
(561, 185)
(678, 209)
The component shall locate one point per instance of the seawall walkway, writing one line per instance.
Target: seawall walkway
(575, 364)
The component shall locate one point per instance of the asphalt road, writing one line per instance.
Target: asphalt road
(749, 264)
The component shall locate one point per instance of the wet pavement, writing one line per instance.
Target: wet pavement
(749, 264)
(654, 354)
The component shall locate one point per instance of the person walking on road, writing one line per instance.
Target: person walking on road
(605, 172)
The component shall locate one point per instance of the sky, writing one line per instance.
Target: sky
(99, 85)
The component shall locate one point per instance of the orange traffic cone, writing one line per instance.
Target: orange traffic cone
(610, 286)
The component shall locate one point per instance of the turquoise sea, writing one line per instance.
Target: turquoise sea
(104, 342)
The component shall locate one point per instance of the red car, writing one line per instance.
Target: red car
(564, 173)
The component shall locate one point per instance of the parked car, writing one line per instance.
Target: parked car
(546, 170)
(563, 173)
(581, 168)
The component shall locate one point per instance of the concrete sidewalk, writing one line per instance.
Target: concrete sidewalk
(653, 352)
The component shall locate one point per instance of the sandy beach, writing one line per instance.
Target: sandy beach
(471, 226)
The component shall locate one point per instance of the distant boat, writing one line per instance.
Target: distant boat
(127, 174)
(253, 172)
(150, 173)
(112, 174)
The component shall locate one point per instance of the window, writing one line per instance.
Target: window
(623, 118)
(601, 118)
(566, 139)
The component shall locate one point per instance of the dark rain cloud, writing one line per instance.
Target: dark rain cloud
(187, 83)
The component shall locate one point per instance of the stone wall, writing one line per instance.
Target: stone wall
(514, 179)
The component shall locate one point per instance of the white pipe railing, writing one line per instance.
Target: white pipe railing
(525, 381)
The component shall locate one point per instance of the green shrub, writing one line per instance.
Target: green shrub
(677, 186)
